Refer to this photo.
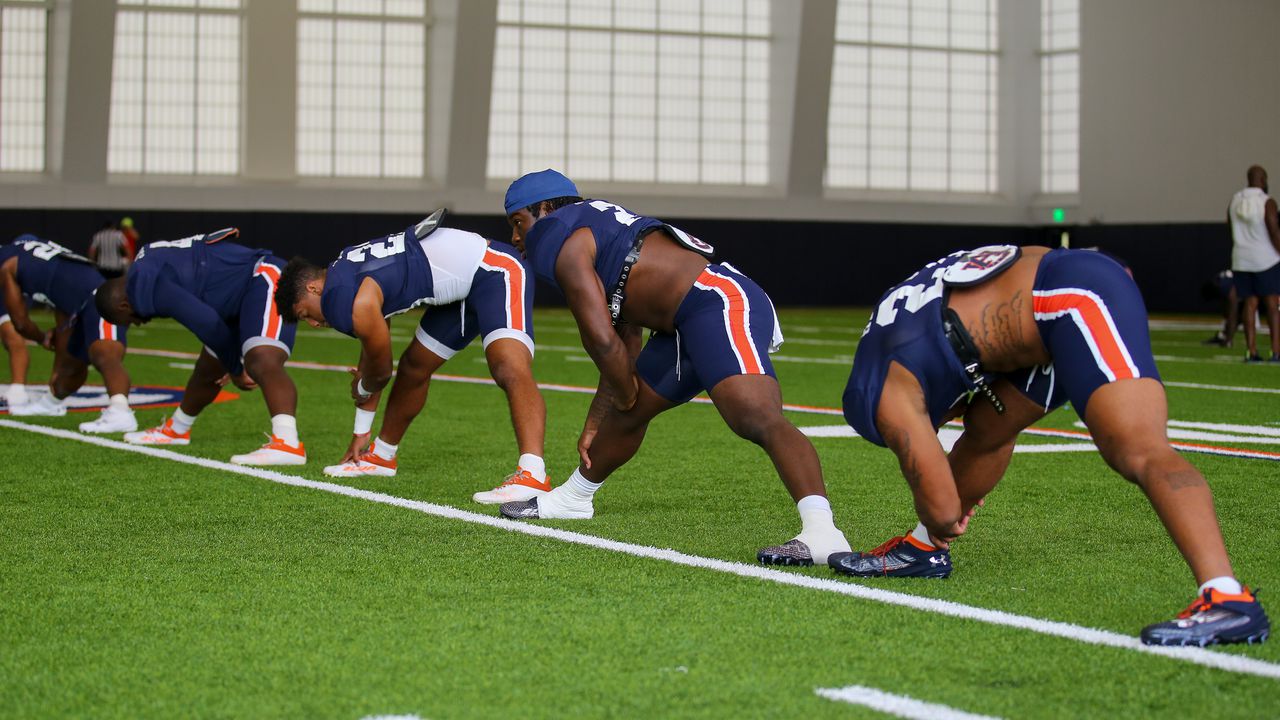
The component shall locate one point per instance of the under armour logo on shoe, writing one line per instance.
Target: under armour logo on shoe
(938, 560)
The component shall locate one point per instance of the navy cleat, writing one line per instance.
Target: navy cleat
(1213, 618)
(899, 557)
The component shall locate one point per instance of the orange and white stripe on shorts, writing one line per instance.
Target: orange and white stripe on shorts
(271, 321)
(107, 331)
(514, 279)
(1093, 319)
(737, 319)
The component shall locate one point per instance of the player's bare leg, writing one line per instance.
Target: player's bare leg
(751, 406)
(67, 372)
(108, 357)
(511, 365)
(616, 441)
(202, 389)
(1128, 421)
(1272, 305)
(1251, 326)
(19, 361)
(265, 366)
(407, 398)
(982, 454)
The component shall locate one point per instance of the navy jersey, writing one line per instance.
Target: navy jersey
(614, 228)
(51, 274)
(200, 285)
(396, 262)
(907, 327)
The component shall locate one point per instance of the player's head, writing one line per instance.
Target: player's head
(298, 294)
(1257, 177)
(113, 303)
(531, 197)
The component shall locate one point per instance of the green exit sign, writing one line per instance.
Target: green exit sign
(1059, 215)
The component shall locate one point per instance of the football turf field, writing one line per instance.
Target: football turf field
(139, 585)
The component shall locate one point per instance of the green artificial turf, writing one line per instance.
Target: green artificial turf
(140, 587)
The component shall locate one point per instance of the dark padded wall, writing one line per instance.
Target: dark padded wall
(798, 263)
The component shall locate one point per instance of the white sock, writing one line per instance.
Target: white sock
(534, 464)
(182, 422)
(1223, 584)
(384, 449)
(17, 394)
(55, 400)
(578, 488)
(285, 427)
(119, 402)
(922, 535)
(815, 513)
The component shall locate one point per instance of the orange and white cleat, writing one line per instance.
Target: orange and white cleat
(367, 465)
(276, 452)
(162, 434)
(518, 487)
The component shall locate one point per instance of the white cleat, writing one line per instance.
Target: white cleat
(275, 452)
(550, 506)
(519, 486)
(369, 465)
(43, 406)
(112, 420)
(162, 434)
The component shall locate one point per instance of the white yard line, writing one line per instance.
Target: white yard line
(1197, 656)
(1230, 388)
(897, 705)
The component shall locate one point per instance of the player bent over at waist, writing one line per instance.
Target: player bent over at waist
(471, 287)
(49, 273)
(714, 329)
(224, 293)
(1022, 331)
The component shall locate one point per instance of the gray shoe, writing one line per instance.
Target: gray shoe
(791, 552)
(521, 510)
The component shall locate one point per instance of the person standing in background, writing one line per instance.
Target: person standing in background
(130, 236)
(1255, 259)
(109, 251)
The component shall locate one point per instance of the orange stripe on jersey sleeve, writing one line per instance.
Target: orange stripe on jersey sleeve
(515, 285)
(1107, 344)
(739, 334)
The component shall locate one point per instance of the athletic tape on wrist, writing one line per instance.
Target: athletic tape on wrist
(364, 421)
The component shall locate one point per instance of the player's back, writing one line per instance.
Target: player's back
(396, 262)
(614, 228)
(906, 327)
(52, 274)
(215, 272)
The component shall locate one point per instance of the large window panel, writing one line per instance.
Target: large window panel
(361, 88)
(653, 91)
(175, 88)
(1059, 96)
(914, 96)
(23, 63)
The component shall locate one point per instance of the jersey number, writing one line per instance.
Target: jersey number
(393, 245)
(619, 214)
(45, 249)
(913, 298)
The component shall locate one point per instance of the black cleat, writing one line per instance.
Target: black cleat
(899, 557)
(791, 552)
(1213, 618)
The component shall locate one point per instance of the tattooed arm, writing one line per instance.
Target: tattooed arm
(903, 422)
(602, 403)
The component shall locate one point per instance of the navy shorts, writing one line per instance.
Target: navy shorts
(724, 327)
(1093, 321)
(499, 305)
(88, 327)
(1257, 284)
(260, 322)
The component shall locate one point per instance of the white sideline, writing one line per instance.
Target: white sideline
(899, 705)
(1052, 628)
